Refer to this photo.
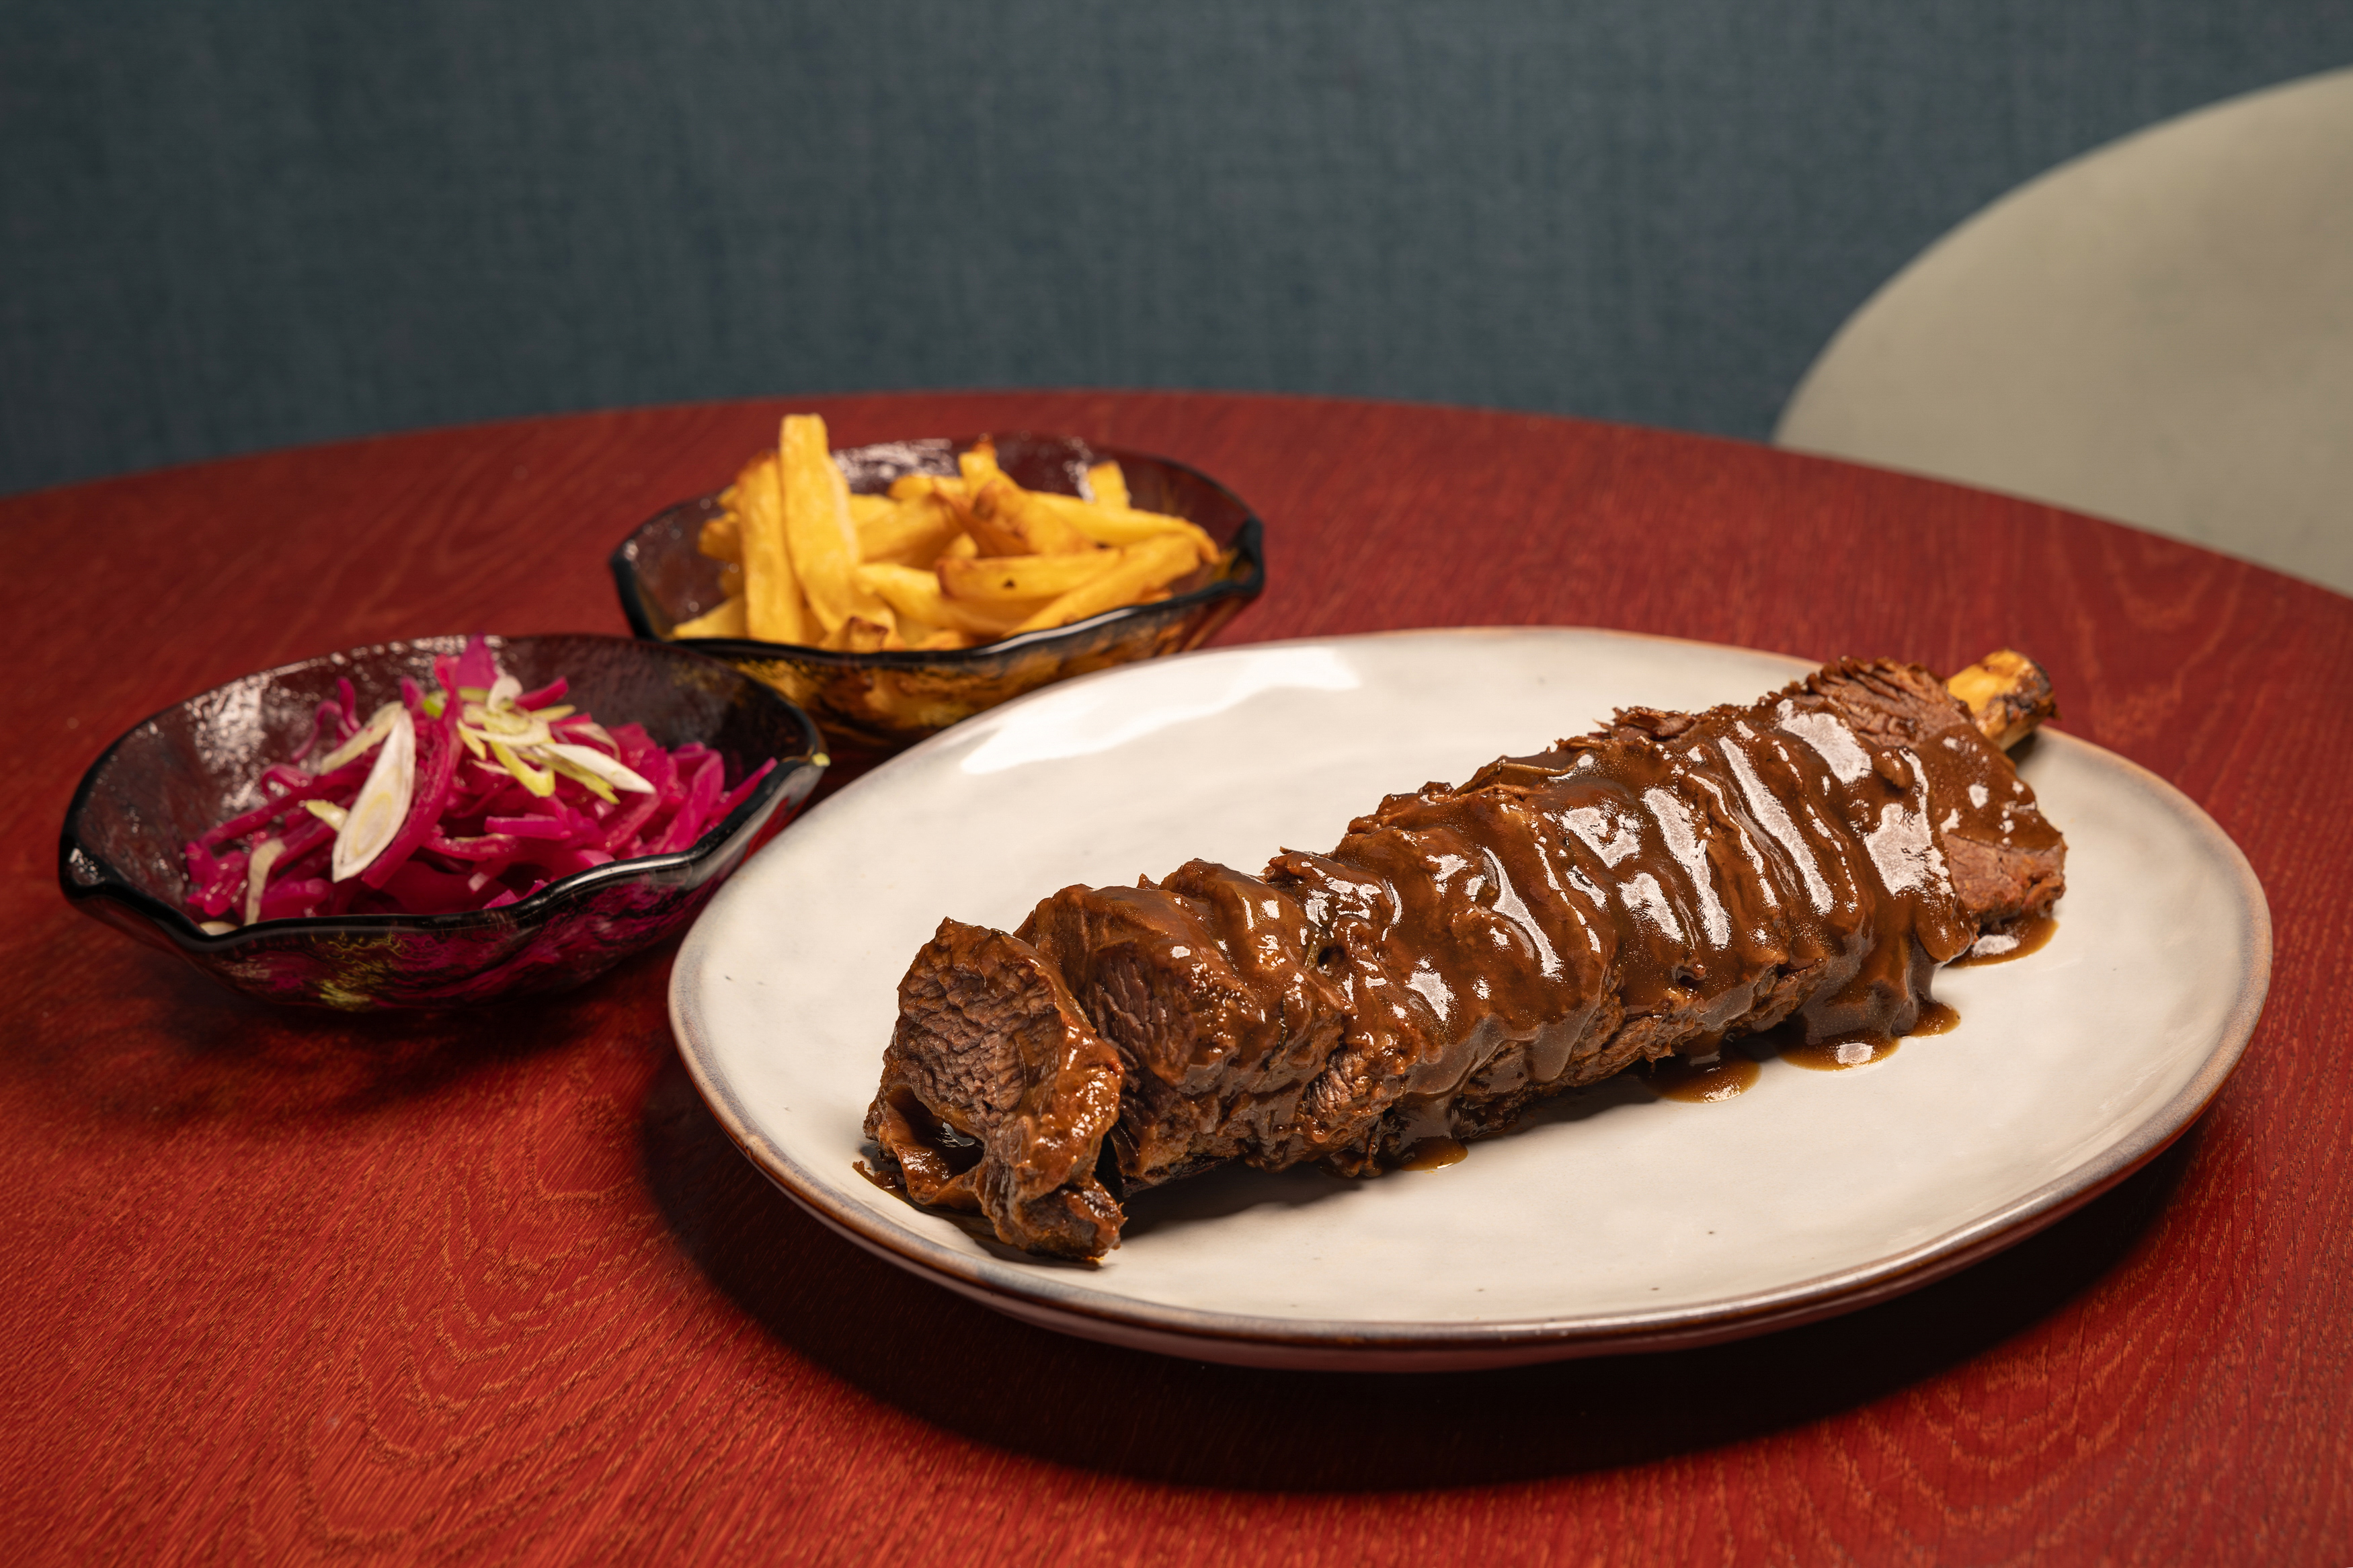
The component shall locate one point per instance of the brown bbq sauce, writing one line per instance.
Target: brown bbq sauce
(1433, 1155)
(1936, 1018)
(1840, 1052)
(1706, 1081)
(2020, 939)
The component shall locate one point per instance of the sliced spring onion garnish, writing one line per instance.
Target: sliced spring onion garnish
(379, 725)
(580, 776)
(327, 811)
(517, 728)
(538, 780)
(589, 730)
(257, 875)
(382, 804)
(587, 759)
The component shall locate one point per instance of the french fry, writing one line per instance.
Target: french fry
(726, 621)
(1009, 522)
(865, 509)
(952, 494)
(859, 634)
(963, 547)
(731, 582)
(907, 486)
(978, 466)
(1141, 568)
(912, 533)
(1123, 525)
(824, 542)
(916, 595)
(774, 607)
(1107, 484)
(722, 538)
(993, 529)
(1011, 579)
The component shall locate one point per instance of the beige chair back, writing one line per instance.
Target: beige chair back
(2160, 332)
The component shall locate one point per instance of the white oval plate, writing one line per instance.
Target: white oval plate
(1611, 1220)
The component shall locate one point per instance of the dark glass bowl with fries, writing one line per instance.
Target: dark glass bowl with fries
(878, 701)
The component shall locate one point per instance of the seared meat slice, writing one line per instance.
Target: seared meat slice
(996, 1094)
(1208, 988)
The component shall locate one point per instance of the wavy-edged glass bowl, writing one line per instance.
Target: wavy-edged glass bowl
(193, 765)
(880, 703)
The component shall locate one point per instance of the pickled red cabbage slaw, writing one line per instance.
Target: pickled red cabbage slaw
(471, 795)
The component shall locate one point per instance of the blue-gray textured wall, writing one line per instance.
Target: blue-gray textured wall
(241, 224)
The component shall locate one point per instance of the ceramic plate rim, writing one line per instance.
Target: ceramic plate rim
(1049, 1298)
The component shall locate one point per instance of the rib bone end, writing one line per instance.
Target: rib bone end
(2007, 694)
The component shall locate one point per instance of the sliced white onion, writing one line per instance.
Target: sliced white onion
(580, 776)
(589, 730)
(379, 725)
(538, 780)
(257, 875)
(382, 804)
(589, 760)
(514, 726)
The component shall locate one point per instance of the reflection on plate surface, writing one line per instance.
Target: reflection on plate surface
(1612, 1219)
(1103, 719)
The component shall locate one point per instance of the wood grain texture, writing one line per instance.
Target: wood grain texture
(495, 1287)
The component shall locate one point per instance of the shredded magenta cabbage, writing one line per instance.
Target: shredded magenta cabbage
(476, 836)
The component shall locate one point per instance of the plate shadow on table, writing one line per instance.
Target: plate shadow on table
(149, 1040)
(960, 1366)
(1215, 1194)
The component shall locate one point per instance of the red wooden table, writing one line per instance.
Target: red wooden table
(494, 1287)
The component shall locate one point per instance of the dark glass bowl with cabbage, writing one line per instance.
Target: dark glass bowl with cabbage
(435, 822)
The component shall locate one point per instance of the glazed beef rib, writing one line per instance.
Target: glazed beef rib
(1660, 887)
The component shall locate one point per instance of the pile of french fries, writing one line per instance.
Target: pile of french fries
(937, 563)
